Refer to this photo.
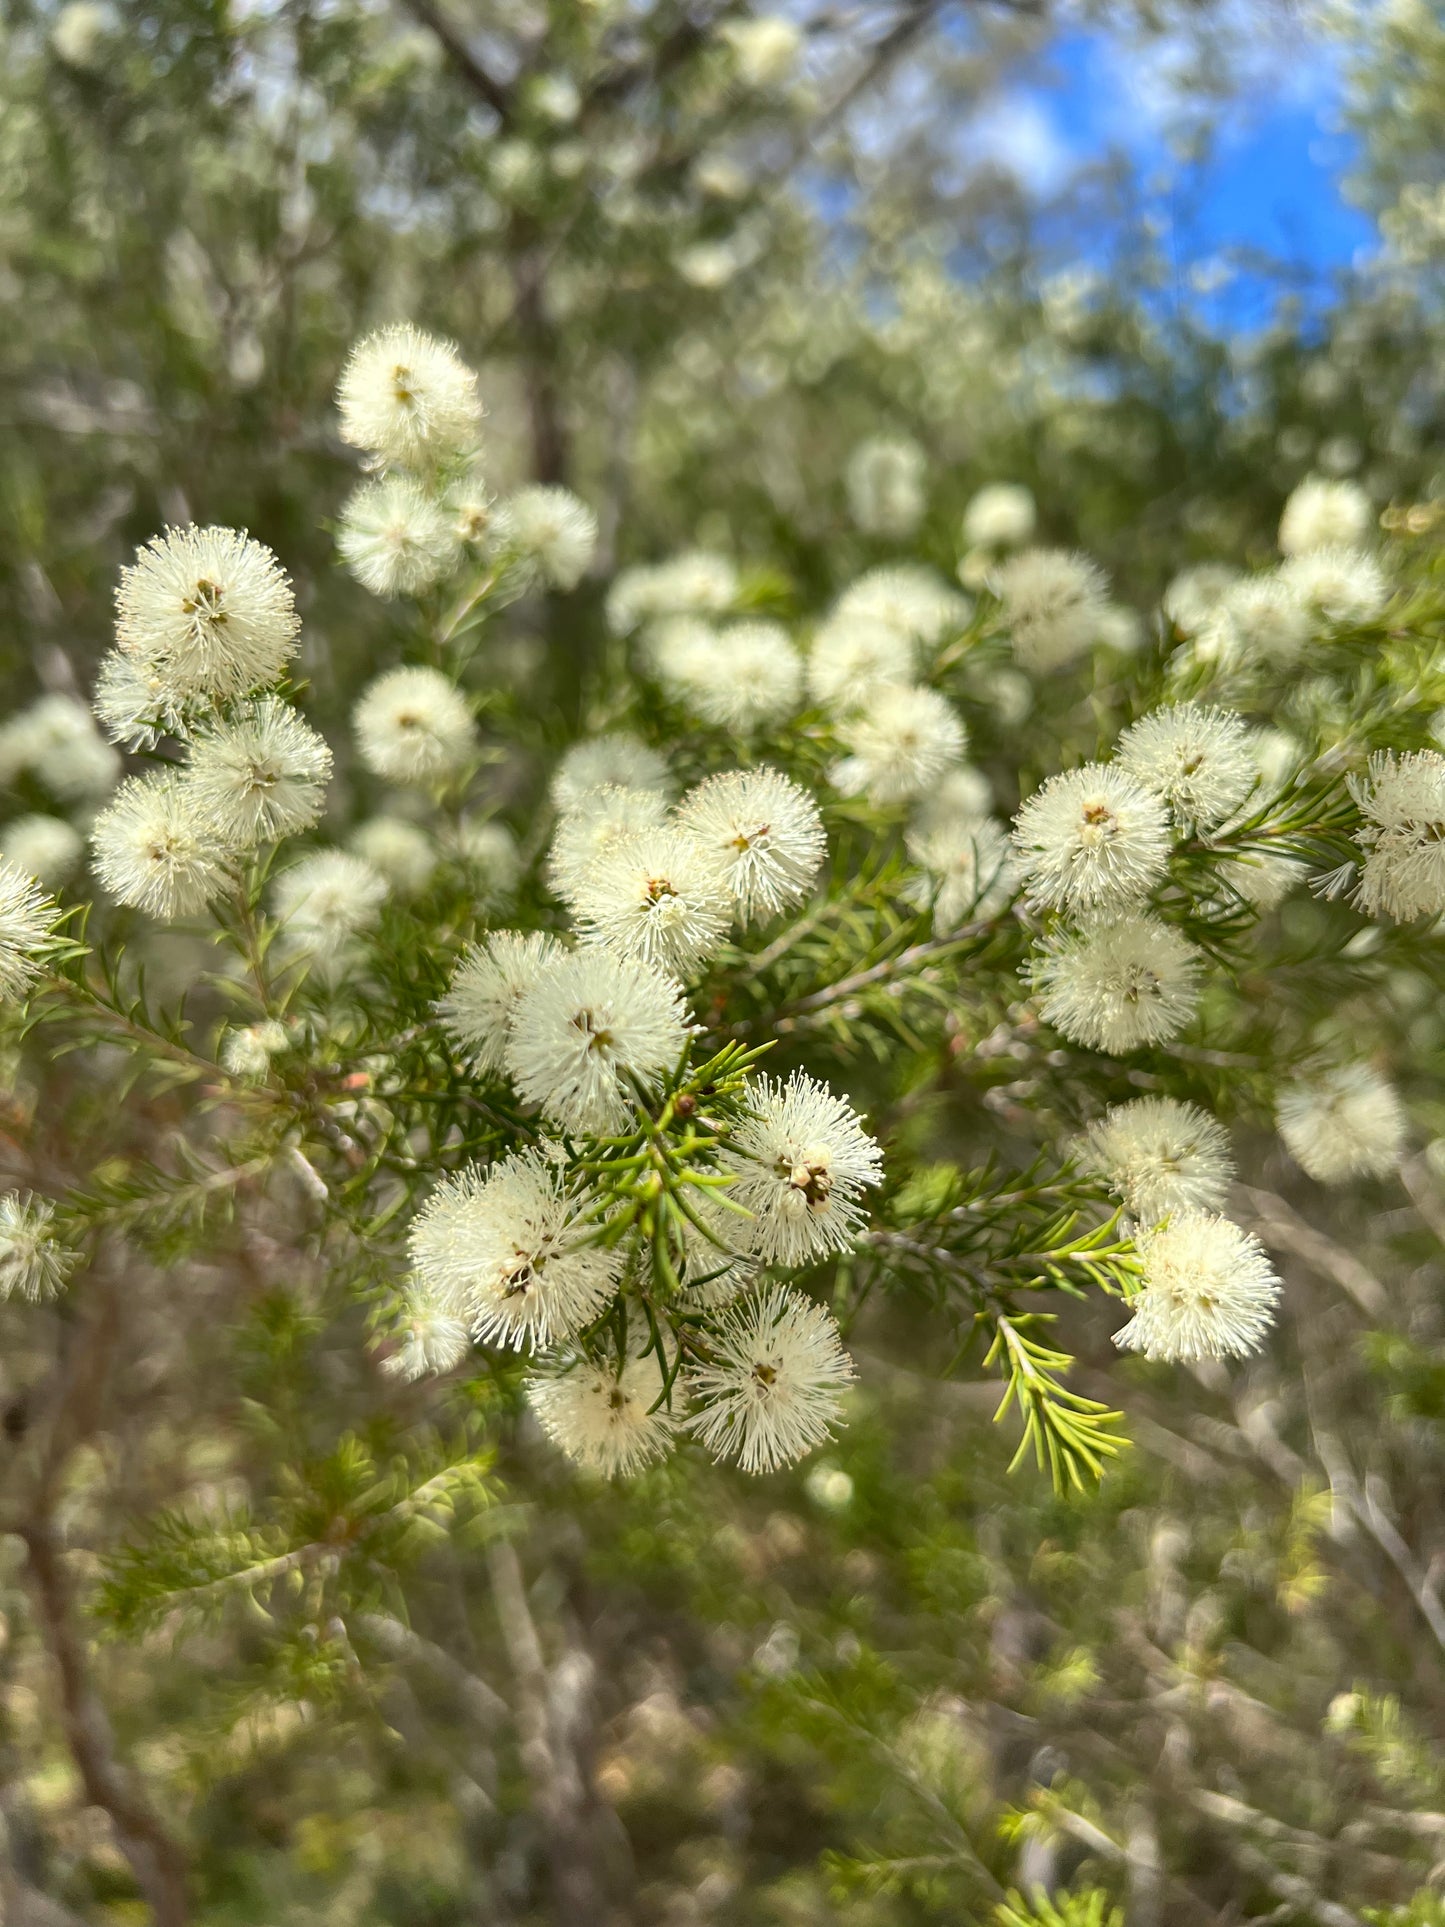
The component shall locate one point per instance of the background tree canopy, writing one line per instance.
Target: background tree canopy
(298, 1630)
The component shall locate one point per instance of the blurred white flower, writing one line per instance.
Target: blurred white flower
(854, 656)
(395, 538)
(1345, 586)
(1051, 603)
(969, 866)
(884, 480)
(414, 726)
(550, 531)
(44, 847)
(397, 849)
(326, 898)
(1197, 595)
(765, 47)
(1001, 516)
(1322, 514)
(751, 676)
(247, 1049)
(33, 1262)
(1403, 799)
(619, 760)
(900, 745)
(27, 917)
(907, 598)
(600, 1413)
(1345, 1124)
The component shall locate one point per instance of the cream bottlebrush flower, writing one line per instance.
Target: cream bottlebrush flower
(1091, 839)
(1209, 1291)
(1001, 516)
(853, 657)
(328, 897)
(1264, 617)
(512, 1251)
(603, 819)
(1321, 514)
(397, 849)
(489, 982)
(753, 676)
(908, 599)
(414, 726)
(773, 1387)
(469, 503)
(659, 896)
(1403, 799)
(717, 1267)
(44, 847)
(247, 1049)
(670, 648)
(395, 538)
(488, 850)
(601, 1414)
(550, 531)
(1344, 586)
(763, 832)
(697, 582)
(900, 745)
(206, 613)
(259, 776)
(408, 398)
(132, 703)
(591, 1024)
(969, 868)
(1119, 985)
(66, 751)
(27, 917)
(802, 1160)
(884, 480)
(1159, 1156)
(430, 1339)
(33, 1262)
(620, 760)
(1196, 596)
(155, 850)
(1349, 1123)
(1200, 760)
(962, 795)
(1051, 602)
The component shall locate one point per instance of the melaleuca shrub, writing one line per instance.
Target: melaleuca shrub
(575, 1063)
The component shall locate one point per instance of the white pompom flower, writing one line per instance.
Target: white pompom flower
(1001, 516)
(853, 657)
(1209, 1291)
(395, 538)
(27, 917)
(802, 1162)
(602, 819)
(1052, 602)
(397, 849)
(408, 398)
(764, 834)
(132, 702)
(909, 599)
(591, 1025)
(1347, 1123)
(430, 1339)
(1266, 618)
(1091, 839)
(600, 1414)
(1403, 801)
(884, 481)
(969, 870)
(961, 795)
(206, 612)
(1200, 760)
(488, 851)
(259, 775)
(68, 754)
(1323, 514)
(414, 725)
(900, 745)
(773, 1387)
(1158, 1156)
(619, 759)
(34, 1264)
(697, 582)
(658, 895)
(752, 676)
(1197, 596)
(1344, 586)
(327, 898)
(512, 1251)
(44, 847)
(549, 532)
(1117, 986)
(156, 851)
(489, 982)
